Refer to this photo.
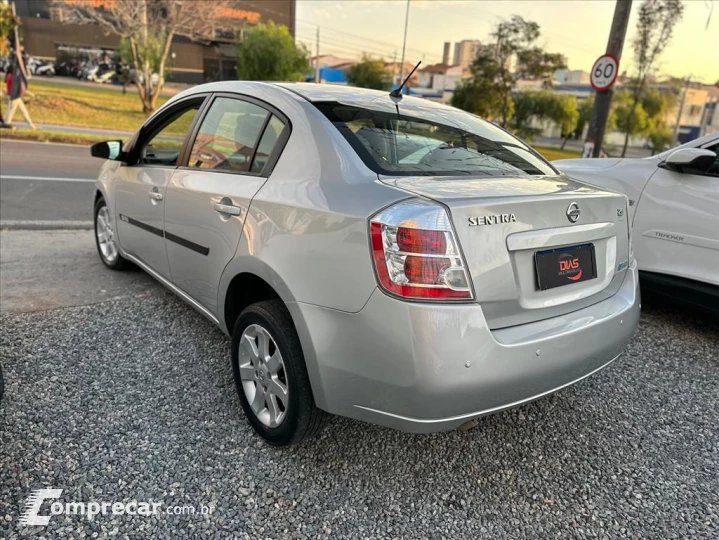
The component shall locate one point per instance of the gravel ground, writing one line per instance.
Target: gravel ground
(134, 399)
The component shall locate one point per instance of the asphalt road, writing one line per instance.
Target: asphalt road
(131, 397)
(46, 182)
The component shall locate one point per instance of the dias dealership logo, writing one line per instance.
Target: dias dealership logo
(569, 267)
(33, 505)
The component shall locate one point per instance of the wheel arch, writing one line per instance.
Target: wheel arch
(254, 281)
(264, 283)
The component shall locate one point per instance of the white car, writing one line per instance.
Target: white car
(674, 212)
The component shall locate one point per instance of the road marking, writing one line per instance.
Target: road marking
(6, 140)
(46, 178)
(29, 225)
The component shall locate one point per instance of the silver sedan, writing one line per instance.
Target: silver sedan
(384, 258)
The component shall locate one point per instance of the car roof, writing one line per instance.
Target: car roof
(331, 92)
(351, 94)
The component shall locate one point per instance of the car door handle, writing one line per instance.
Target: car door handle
(229, 209)
(155, 196)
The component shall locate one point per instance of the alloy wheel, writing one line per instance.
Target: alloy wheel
(263, 375)
(106, 235)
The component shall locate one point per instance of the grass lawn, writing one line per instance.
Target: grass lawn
(102, 108)
(93, 107)
(550, 154)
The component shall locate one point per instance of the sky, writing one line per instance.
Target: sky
(576, 28)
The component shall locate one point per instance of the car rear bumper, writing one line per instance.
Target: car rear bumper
(421, 367)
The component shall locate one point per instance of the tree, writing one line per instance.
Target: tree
(584, 110)
(542, 106)
(267, 52)
(647, 117)
(564, 112)
(536, 64)
(512, 36)
(370, 73)
(655, 25)
(492, 81)
(480, 94)
(8, 22)
(631, 117)
(149, 26)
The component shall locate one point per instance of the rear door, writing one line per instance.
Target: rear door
(233, 151)
(140, 189)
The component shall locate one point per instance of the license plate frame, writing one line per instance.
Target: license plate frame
(568, 265)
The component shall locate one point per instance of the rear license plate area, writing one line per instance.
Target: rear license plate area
(564, 266)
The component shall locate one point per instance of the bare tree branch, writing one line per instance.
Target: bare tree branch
(150, 26)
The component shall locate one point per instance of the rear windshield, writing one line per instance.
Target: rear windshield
(430, 140)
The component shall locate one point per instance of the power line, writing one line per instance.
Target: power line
(365, 39)
(334, 42)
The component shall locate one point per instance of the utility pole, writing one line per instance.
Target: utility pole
(675, 135)
(317, 58)
(404, 43)
(394, 68)
(603, 100)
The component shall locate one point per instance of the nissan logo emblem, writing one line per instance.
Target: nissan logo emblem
(573, 212)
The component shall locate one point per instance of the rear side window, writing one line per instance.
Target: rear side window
(425, 140)
(269, 139)
(228, 136)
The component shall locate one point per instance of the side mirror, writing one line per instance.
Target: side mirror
(696, 159)
(107, 150)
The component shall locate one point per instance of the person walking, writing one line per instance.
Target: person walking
(16, 90)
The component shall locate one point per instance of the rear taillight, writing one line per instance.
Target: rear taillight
(416, 254)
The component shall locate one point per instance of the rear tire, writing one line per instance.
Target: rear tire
(282, 409)
(106, 239)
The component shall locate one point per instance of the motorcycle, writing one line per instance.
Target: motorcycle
(102, 73)
(41, 67)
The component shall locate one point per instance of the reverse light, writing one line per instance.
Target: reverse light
(416, 254)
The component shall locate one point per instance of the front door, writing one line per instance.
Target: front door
(208, 198)
(678, 219)
(140, 191)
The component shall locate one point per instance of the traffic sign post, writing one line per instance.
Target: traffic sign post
(604, 72)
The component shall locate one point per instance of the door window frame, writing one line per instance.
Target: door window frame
(148, 130)
(277, 150)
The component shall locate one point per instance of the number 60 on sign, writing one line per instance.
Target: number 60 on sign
(604, 72)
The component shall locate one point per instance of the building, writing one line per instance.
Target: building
(464, 52)
(572, 77)
(438, 81)
(46, 36)
(446, 52)
(331, 61)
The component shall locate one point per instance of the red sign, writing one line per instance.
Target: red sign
(604, 72)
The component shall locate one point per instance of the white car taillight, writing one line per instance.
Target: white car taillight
(416, 254)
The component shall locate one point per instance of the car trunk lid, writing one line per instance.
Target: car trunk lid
(502, 222)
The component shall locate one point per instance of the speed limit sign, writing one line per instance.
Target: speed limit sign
(604, 72)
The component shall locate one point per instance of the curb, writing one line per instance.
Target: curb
(21, 225)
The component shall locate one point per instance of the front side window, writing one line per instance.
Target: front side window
(714, 169)
(430, 140)
(228, 136)
(164, 145)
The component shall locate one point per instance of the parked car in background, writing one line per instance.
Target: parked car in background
(384, 258)
(674, 210)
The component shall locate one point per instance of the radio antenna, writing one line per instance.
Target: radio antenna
(397, 92)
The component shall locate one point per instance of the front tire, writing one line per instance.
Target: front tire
(105, 238)
(271, 376)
